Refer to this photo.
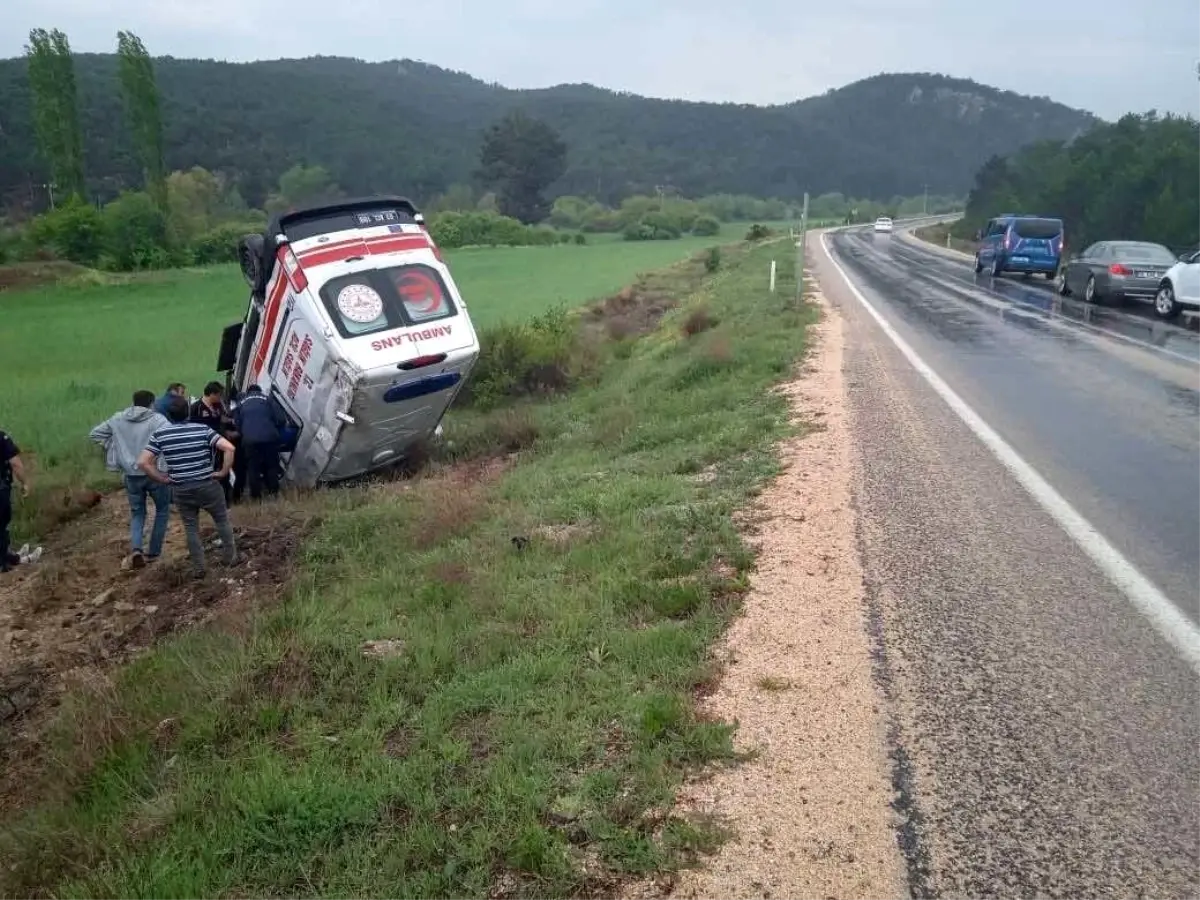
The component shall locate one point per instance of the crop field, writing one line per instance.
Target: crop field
(72, 354)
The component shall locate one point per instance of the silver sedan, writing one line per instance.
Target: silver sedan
(1114, 270)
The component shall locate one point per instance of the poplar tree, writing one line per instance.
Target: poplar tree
(142, 111)
(55, 109)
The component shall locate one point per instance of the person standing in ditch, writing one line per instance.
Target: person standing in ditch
(260, 423)
(174, 389)
(11, 467)
(211, 410)
(123, 436)
(187, 448)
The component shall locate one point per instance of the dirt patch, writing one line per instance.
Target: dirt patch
(80, 611)
(637, 309)
(810, 810)
(33, 274)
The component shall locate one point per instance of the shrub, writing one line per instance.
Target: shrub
(538, 356)
(712, 259)
(219, 244)
(488, 229)
(654, 227)
(697, 321)
(757, 232)
(135, 234)
(706, 226)
(580, 238)
(74, 231)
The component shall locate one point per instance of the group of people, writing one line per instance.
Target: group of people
(199, 456)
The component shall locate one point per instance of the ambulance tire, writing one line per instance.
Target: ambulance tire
(250, 253)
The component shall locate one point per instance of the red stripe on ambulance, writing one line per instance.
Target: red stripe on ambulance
(318, 256)
(270, 315)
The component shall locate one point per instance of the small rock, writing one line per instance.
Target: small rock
(103, 597)
(122, 606)
(150, 610)
(384, 649)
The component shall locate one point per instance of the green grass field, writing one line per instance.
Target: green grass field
(526, 737)
(73, 354)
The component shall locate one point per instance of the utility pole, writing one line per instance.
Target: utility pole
(800, 248)
(925, 202)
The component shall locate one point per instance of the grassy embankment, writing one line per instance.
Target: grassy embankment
(73, 353)
(526, 729)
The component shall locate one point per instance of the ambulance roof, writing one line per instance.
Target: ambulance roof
(310, 221)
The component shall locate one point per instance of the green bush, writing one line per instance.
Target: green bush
(757, 232)
(219, 245)
(580, 238)
(486, 229)
(654, 226)
(706, 226)
(535, 357)
(74, 231)
(712, 259)
(135, 234)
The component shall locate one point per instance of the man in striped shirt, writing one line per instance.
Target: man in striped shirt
(188, 449)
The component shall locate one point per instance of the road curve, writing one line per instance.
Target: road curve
(1044, 736)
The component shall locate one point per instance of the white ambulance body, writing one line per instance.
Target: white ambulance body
(356, 329)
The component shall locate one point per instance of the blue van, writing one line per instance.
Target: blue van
(1026, 244)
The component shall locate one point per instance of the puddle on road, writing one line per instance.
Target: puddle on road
(1134, 321)
(1123, 322)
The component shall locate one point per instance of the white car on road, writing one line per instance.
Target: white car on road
(883, 224)
(1180, 287)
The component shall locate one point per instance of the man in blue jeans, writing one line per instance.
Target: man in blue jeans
(187, 448)
(124, 436)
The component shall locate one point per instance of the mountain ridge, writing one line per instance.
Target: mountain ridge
(414, 126)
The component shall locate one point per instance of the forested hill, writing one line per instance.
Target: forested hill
(415, 127)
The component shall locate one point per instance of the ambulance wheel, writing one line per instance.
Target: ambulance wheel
(250, 252)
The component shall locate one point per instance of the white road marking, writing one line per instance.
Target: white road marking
(1137, 588)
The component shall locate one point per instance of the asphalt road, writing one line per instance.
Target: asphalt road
(1044, 736)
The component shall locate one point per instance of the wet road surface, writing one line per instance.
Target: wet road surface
(1045, 738)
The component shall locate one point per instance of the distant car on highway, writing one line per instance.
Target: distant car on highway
(1026, 244)
(883, 224)
(1115, 270)
(1179, 287)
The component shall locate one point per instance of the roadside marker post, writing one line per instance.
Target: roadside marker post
(772, 276)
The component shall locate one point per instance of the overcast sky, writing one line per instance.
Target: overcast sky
(1106, 56)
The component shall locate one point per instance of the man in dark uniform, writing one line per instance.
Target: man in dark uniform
(260, 423)
(211, 410)
(11, 467)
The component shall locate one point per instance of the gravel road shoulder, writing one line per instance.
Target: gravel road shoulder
(811, 812)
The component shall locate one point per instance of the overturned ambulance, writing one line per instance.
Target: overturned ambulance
(355, 330)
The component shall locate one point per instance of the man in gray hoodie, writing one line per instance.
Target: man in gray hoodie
(124, 436)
